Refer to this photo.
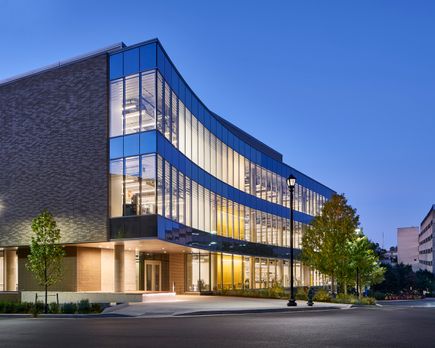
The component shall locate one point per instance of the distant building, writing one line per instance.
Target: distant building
(407, 246)
(390, 256)
(426, 242)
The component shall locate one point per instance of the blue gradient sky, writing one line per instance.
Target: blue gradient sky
(344, 89)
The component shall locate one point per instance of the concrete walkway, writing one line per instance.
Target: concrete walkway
(184, 305)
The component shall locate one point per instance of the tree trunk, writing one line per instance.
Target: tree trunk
(345, 287)
(333, 285)
(46, 287)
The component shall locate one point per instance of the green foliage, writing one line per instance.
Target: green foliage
(54, 308)
(336, 247)
(276, 291)
(321, 295)
(400, 279)
(352, 299)
(325, 243)
(301, 293)
(84, 307)
(45, 258)
(69, 308)
(364, 263)
(378, 295)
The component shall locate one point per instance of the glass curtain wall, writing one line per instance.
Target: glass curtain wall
(183, 129)
(182, 199)
(208, 271)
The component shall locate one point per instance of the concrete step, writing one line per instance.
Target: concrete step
(158, 297)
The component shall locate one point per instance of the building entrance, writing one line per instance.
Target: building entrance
(153, 275)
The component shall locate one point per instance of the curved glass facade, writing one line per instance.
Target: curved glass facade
(172, 158)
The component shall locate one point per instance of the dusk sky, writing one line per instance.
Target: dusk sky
(345, 90)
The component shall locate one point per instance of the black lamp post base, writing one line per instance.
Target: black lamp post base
(292, 303)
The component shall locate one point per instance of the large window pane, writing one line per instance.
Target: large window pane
(148, 199)
(160, 186)
(188, 134)
(167, 112)
(116, 100)
(174, 120)
(181, 197)
(148, 101)
(160, 96)
(131, 106)
(167, 188)
(132, 188)
(181, 127)
(116, 191)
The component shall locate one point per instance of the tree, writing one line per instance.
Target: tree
(325, 244)
(424, 281)
(45, 258)
(364, 265)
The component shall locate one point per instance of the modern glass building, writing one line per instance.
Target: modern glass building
(192, 203)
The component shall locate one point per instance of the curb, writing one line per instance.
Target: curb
(266, 310)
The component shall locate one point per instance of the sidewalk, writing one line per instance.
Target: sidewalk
(189, 305)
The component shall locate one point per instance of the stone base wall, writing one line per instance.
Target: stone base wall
(177, 273)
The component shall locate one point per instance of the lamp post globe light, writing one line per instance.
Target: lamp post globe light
(291, 182)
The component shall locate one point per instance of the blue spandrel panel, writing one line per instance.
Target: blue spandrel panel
(148, 57)
(148, 142)
(131, 145)
(168, 70)
(116, 66)
(116, 147)
(131, 61)
(160, 59)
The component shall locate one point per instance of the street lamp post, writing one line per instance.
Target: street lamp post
(291, 182)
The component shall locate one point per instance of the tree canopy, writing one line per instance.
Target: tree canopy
(335, 246)
(45, 258)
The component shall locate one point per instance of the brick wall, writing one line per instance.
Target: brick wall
(53, 152)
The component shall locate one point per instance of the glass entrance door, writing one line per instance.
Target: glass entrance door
(153, 275)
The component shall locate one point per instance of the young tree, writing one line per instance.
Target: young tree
(325, 245)
(45, 258)
(364, 263)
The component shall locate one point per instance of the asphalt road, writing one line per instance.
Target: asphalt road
(391, 326)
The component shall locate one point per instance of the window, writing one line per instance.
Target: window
(201, 145)
(167, 188)
(131, 105)
(174, 190)
(116, 191)
(148, 198)
(160, 186)
(174, 120)
(132, 187)
(194, 139)
(148, 101)
(181, 127)
(167, 112)
(181, 196)
(160, 96)
(116, 99)
(188, 134)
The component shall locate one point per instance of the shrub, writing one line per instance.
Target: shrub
(378, 295)
(367, 301)
(69, 308)
(349, 299)
(322, 295)
(301, 293)
(84, 307)
(95, 308)
(54, 308)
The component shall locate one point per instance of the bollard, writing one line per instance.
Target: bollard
(310, 296)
